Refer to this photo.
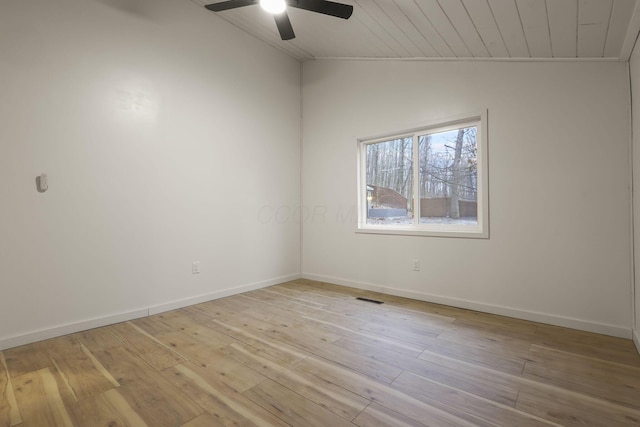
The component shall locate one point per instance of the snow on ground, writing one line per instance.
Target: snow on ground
(428, 220)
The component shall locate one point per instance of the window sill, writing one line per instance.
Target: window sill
(460, 232)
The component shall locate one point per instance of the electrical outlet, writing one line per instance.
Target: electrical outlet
(416, 264)
(195, 267)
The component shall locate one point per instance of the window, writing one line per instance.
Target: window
(445, 195)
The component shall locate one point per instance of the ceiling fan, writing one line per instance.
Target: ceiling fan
(278, 9)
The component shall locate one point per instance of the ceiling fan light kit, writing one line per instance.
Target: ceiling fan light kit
(278, 9)
(273, 6)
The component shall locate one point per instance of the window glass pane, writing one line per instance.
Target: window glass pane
(389, 169)
(448, 177)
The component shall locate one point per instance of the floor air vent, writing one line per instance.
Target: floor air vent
(370, 300)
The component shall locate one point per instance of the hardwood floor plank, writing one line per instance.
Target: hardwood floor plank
(499, 324)
(107, 409)
(382, 394)
(39, 400)
(598, 369)
(622, 392)
(80, 371)
(487, 357)
(325, 289)
(27, 358)
(96, 363)
(205, 312)
(150, 395)
(298, 322)
(303, 298)
(283, 352)
(378, 416)
(400, 346)
(204, 420)
(366, 365)
(428, 307)
(488, 340)
(465, 404)
(414, 335)
(334, 299)
(323, 393)
(527, 387)
(313, 312)
(332, 317)
(213, 360)
(356, 311)
(98, 339)
(227, 406)
(288, 298)
(588, 344)
(229, 306)
(9, 412)
(572, 409)
(486, 386)
(324, 349)
(470, 368)
(278, 317)
(207, 333)
(145, 346)
(336, 293)
(390, 313)
(193, 322)
(156, 324)
(293, 408)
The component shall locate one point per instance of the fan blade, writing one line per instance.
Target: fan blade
(339, 10)
(284, 26)
(230, 4)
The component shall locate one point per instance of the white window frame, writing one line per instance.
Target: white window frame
(479, 230)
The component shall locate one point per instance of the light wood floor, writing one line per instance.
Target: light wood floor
(309, 354)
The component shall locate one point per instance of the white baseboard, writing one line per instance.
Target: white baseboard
(567, 322)
(57, 331)
(636, 339)
(220, 294)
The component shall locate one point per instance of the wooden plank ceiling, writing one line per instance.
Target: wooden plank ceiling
(499, 29)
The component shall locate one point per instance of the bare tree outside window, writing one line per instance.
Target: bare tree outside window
(449, 176)
(390, 181)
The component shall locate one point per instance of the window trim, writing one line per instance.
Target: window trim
(480, 231)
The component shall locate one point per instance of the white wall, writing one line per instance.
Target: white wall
(634, 69)
(164, 132)
(559, 175)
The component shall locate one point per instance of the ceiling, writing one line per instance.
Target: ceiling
(479, 29)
